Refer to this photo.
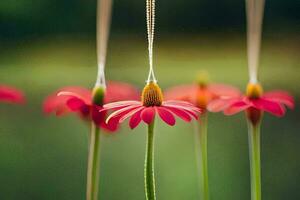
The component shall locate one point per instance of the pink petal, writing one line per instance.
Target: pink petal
(178, 102)
(55, 104)
(61, 110)
(135, 120)
(75, 104)
(224, 91)
(181, 113)
(166, 115)
(129, 114)
(280, 97)
(79, 92)
(111, 126)
(148, 114)
(182, 92)
(116, 105)
(59, 103)
(272, 107)
(118, 91)
(182, 104)
(236, 107)
(11, 95)
(190, 111)
(218, 105)
(121, 112)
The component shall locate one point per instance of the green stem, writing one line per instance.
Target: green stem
(203, 166)
(149, 165)
(254, 153)
(93, 164)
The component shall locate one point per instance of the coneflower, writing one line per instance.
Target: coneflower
(255, 102)
(87, 103)
(151, 103)
(201, 94)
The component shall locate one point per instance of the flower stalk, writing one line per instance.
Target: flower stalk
(201, 146)
(93, 164)
(254, 155)
(203, 152)
(94, 151)
(149, 165)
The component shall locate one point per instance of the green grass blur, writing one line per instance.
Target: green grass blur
(45, 157)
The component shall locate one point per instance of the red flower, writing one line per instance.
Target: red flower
(201, 94)
(11, 95)
(152, 103)
(79, 100)
(255, 100)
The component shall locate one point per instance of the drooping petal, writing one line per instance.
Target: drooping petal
(281, 97)
(56, 104)
(148, 114)
(224, 91)
(183, 105)
(184, 115)
(11, 95)
(75, 104)
(178, 102)
(120, 104)
(190, 111)
(59, 103)
(236, 107)
(272, 107)
(135, 120)
(118, 91)
(129, 114)
(181, 92)
(79, 92)
(111, 126)
(166, 115)
(121, 112)
(218, 105)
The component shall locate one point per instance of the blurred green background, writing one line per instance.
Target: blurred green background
(47, 44)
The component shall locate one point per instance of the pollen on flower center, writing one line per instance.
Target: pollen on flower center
(254, 91)
(152, 95)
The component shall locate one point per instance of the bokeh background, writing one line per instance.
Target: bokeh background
(47, 44)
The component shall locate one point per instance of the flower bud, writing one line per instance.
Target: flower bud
(98, 95)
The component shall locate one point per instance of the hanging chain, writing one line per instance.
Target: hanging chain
(104, 8)
(150, 15)
(255, 12)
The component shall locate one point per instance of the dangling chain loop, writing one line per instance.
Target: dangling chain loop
(255, 12)
(150, 14)
(103, 25)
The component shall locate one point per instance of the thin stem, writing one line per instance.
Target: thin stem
(104, 8)
(149, 165)
(255, 12)
(254, 153)
(93, 164)
(201, 146)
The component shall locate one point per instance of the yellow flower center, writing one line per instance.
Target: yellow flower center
(254, 91)
(203, 97)
(152, 95)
